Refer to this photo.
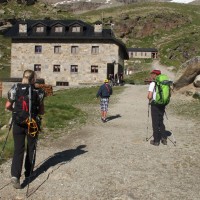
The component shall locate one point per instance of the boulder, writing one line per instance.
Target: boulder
(187, 73)
(197, 81)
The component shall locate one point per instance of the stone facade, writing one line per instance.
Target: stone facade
(83, 59)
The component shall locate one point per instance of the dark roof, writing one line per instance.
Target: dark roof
(142, 50)
(86, 34)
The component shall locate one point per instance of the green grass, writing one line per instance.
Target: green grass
(190, 110)
(65, 110)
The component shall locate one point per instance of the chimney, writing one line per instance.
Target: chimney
(98, 27)
(22, 28)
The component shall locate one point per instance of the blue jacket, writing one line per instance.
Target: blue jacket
(104, 91)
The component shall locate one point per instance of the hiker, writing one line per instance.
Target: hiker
(104, 92)
(157, 113)
(21, 129)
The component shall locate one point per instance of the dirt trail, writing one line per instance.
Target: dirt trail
(113, 160)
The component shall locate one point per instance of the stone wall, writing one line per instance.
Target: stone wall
(23, 57)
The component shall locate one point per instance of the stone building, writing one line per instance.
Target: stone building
(143, 53)
(66, 52)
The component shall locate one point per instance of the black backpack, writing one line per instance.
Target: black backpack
(21, 110)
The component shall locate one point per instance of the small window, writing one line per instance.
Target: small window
(56, 68)
(74, 68)
(95, 49)
(76, 29)
(145, 53)
(61, 83)
(94, 69)
(74, 49)
(58, 29)
(57, 49)
(131, 54)
(141, 53)
(38, 49)
(37, 67)
(135, 53)
(40, 29)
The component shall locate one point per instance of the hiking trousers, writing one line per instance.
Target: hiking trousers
(20, 135)
(157, 115)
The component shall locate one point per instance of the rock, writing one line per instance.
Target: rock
(197, 81)
(187, 73)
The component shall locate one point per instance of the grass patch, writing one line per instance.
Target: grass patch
(65, 110)
(190, 110)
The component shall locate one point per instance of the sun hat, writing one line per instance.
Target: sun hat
(106, 81)
(156, 71)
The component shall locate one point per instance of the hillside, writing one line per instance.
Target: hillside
(174, 29)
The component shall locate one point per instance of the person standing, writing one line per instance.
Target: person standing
(157, 113)
(21, 130)
(104, 93)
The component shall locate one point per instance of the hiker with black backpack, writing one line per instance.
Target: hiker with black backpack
(158, 96)
(26, 104)
(104, 93)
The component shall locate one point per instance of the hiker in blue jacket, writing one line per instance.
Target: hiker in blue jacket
(104, 93)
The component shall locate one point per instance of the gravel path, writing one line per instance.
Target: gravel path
(113, 160)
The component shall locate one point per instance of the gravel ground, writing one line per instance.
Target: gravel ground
(113, 160)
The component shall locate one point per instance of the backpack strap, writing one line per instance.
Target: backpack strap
(107, 88)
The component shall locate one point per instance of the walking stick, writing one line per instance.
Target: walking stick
(147, 135)
(4, 145)
(174, 141)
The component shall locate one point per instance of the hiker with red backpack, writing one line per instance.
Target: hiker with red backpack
(159, 97)
(104, 93)
(26, 104)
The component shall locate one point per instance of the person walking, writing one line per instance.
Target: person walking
(21, 130)
(104, 93)
(157, 113)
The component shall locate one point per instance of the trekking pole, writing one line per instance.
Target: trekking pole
(147, 135)
(174, 141)
(32, 166)
(4, 145)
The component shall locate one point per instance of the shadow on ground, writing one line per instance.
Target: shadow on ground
(56, 159)
(113, 117)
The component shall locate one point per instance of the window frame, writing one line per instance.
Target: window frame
(74, 69)
(95, 50)
(38, 49)
(95, 70)
(37, 67)
(57, 49)
(56, 68)
(74, 49)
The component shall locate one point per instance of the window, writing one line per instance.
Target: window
(95, 49)
(57, 49)
(61, 83)
(58, 29)
(76, 29)
(74, 68)
(145, 53)
(56, 68)
(141, 53)
(94, 69)
(37, 67)
(40, 29)
(38, 49)
(131, 54)
(135, 53)
(74, 49)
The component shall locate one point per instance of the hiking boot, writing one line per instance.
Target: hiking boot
(154, 143)
(103, 120)
(164, 141)
(15, 182)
